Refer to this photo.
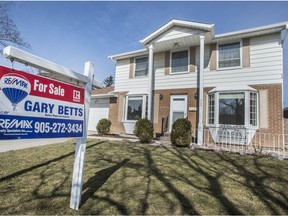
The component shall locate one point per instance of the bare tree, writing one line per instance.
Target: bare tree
(9, 33)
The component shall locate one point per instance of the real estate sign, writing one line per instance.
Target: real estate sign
(33, 106)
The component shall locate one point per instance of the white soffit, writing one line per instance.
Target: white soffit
(103, 95)
(138, 92)
(175, 22)
(129, 54)
(232, 88)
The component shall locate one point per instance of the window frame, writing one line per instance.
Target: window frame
(144, 106)
(241, 57)
(134, 72)
(246, 108)
(188, 63)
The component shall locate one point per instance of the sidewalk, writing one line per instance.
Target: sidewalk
(9, 145)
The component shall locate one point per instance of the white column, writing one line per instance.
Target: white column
(200, 96)
(150, 85)
(78, 170)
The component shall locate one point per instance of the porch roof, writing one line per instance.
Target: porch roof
(181, 23)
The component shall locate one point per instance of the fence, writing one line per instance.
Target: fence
(275, 145)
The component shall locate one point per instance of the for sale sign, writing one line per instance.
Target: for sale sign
(33, 106)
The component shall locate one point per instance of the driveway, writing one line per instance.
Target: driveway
(8, 145)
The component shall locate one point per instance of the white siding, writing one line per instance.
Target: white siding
(122, 81)
(266, 67)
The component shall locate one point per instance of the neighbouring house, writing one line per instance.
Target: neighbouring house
(231, 82)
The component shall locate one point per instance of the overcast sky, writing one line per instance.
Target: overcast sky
(70, 33)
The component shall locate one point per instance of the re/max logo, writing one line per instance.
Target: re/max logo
(13, 80)
(15, 123)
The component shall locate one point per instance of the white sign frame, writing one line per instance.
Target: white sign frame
(87, 79)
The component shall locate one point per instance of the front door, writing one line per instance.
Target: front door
(178, 108)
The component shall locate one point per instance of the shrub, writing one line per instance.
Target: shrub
(144, 130)
(103, 126)
(181, 132)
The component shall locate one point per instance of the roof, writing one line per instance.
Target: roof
(251, 32)
(105, 90)
(267, 29)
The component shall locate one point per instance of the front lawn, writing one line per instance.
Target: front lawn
(142, 179)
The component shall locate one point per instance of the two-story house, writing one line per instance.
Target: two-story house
(225, 82)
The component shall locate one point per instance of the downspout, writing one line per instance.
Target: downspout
(285, 34)
(283, 124)
(150, 85)
(200, 131)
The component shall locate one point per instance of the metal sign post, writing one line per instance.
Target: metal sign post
(65, 73)
(78, 170)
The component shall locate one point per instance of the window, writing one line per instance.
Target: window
(238, 108)
(179, 62)
(253, 108)
(232, 108)
(229, 55)
(211, 111)
(141, 66)
(136, 107)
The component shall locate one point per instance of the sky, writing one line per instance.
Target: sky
(71, 33)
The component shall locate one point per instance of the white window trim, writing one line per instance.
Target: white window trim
(247, 108)
(258, 109)
(217, 56)
(134, 68)
(144, 98)
(179, 50)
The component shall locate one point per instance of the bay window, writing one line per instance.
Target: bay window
(232, 108)
(238, 108)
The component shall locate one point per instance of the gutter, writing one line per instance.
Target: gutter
(285, 34)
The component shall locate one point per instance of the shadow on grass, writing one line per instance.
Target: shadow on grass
(21, 172)
(256, 184)
(185, 204)
(96, 182)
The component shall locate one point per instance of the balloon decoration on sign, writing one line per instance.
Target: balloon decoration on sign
(15, 87)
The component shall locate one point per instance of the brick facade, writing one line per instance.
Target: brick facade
(275, 116)
(275, 108)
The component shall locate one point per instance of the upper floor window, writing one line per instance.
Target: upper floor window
(179, 61)
(141, 66)
(229, 55)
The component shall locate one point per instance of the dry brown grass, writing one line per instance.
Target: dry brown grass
(141, 179)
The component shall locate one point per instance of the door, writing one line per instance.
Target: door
(178, 108)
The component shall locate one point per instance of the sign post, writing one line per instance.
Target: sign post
(78, 170)
(67, 117)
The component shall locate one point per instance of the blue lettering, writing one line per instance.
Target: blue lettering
(38, 107)
(80, 112)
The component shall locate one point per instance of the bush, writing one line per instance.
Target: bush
(103, 126)
(144, 130)
(181, 132)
